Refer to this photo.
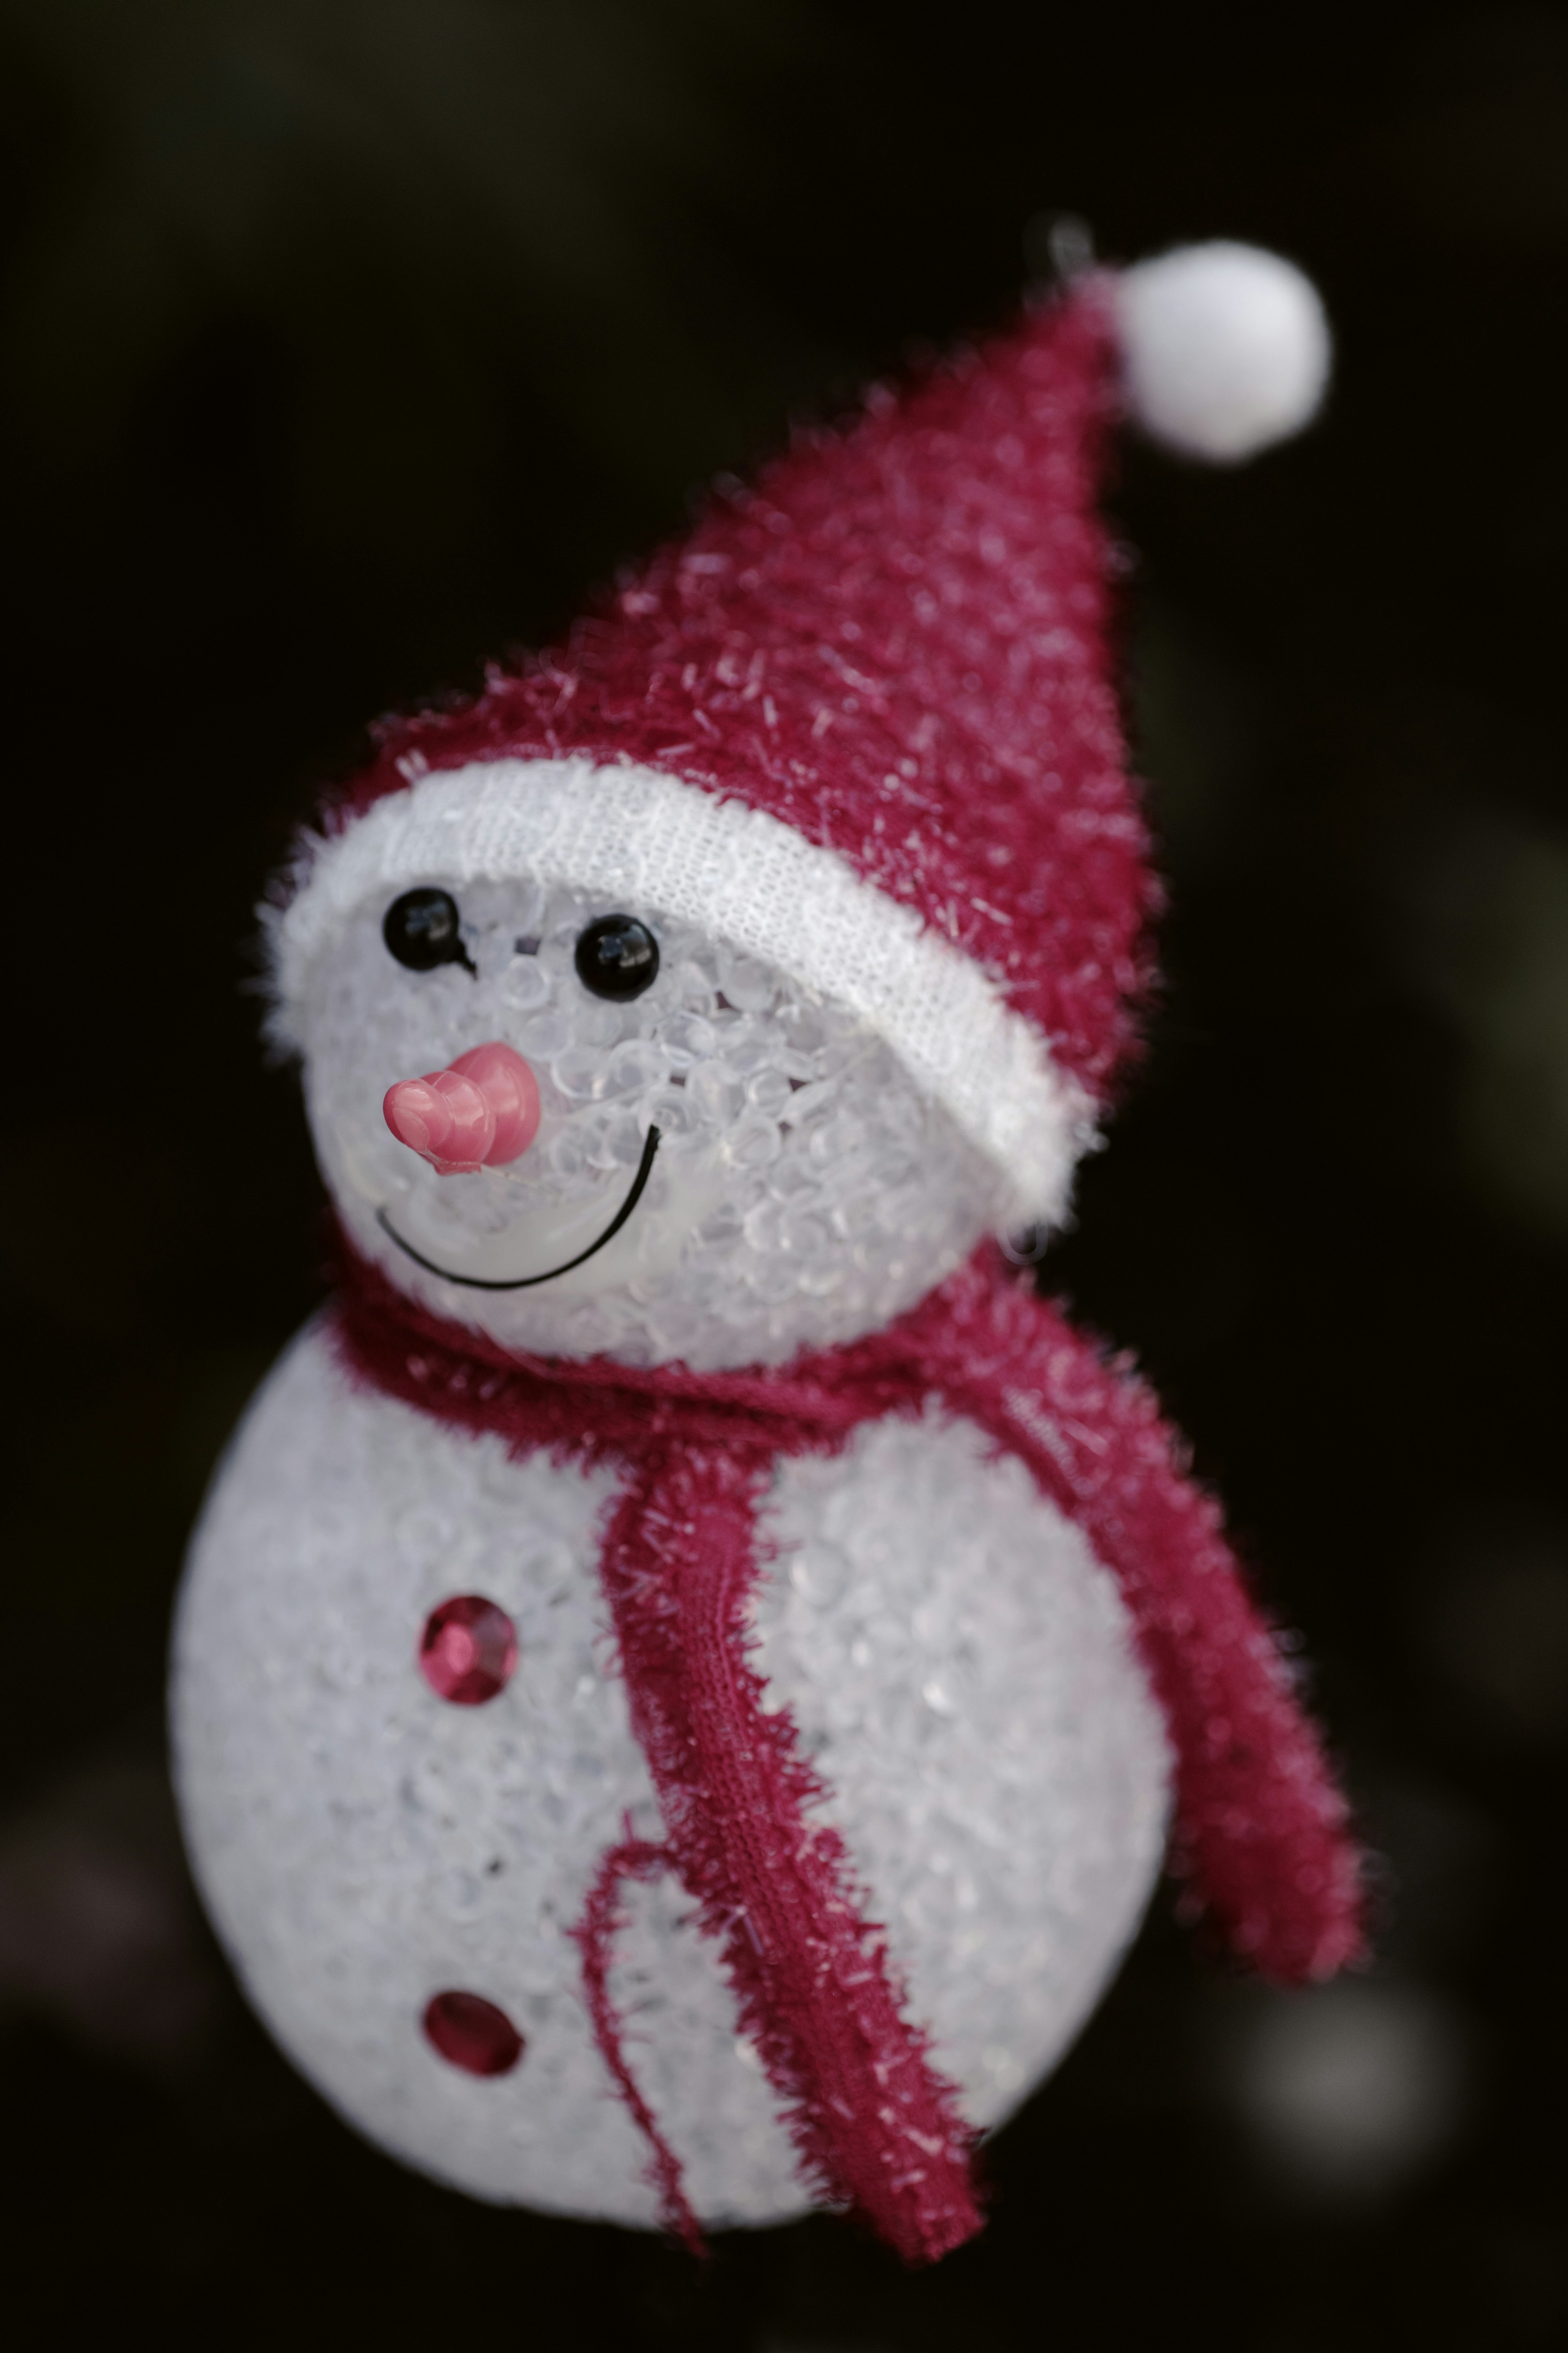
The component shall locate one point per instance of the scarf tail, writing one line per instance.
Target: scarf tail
(1262, 1831)
(594, 1936)
(878, 2129)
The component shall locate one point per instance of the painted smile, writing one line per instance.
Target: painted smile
(526, 1281)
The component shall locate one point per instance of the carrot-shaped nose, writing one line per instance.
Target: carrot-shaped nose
(480, 1112)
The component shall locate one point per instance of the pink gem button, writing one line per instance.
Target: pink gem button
(470, 2032)
(467, 1653)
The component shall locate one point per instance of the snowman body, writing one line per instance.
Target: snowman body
(732, 1165)
(961, 1674)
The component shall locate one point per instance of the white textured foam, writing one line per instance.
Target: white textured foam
(962, 1672)
(640, 843)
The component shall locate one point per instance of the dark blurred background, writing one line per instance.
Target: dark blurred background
(346, 341)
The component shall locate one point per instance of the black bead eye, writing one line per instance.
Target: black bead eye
(618, 957)
(422, 930)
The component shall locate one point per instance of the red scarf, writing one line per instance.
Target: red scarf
(1261, 1829)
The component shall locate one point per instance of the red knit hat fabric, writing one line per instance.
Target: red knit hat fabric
(895, 642)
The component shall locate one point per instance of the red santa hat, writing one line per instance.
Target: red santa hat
(862, 722)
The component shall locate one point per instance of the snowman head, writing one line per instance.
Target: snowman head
(708, 989)
(599, 1063)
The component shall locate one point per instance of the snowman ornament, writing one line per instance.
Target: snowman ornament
(690, 1669)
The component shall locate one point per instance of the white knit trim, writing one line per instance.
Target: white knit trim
(636, 837)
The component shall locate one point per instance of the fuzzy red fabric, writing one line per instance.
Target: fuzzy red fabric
(877, 2128)
(898, 643)
(1261, 1833)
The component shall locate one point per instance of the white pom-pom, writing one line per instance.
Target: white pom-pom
(1225, 349)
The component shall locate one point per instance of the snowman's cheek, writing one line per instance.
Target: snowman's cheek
(363, 1164)
(655, 1239)
(347, 1157)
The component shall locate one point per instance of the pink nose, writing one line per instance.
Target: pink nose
(479, 1113)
